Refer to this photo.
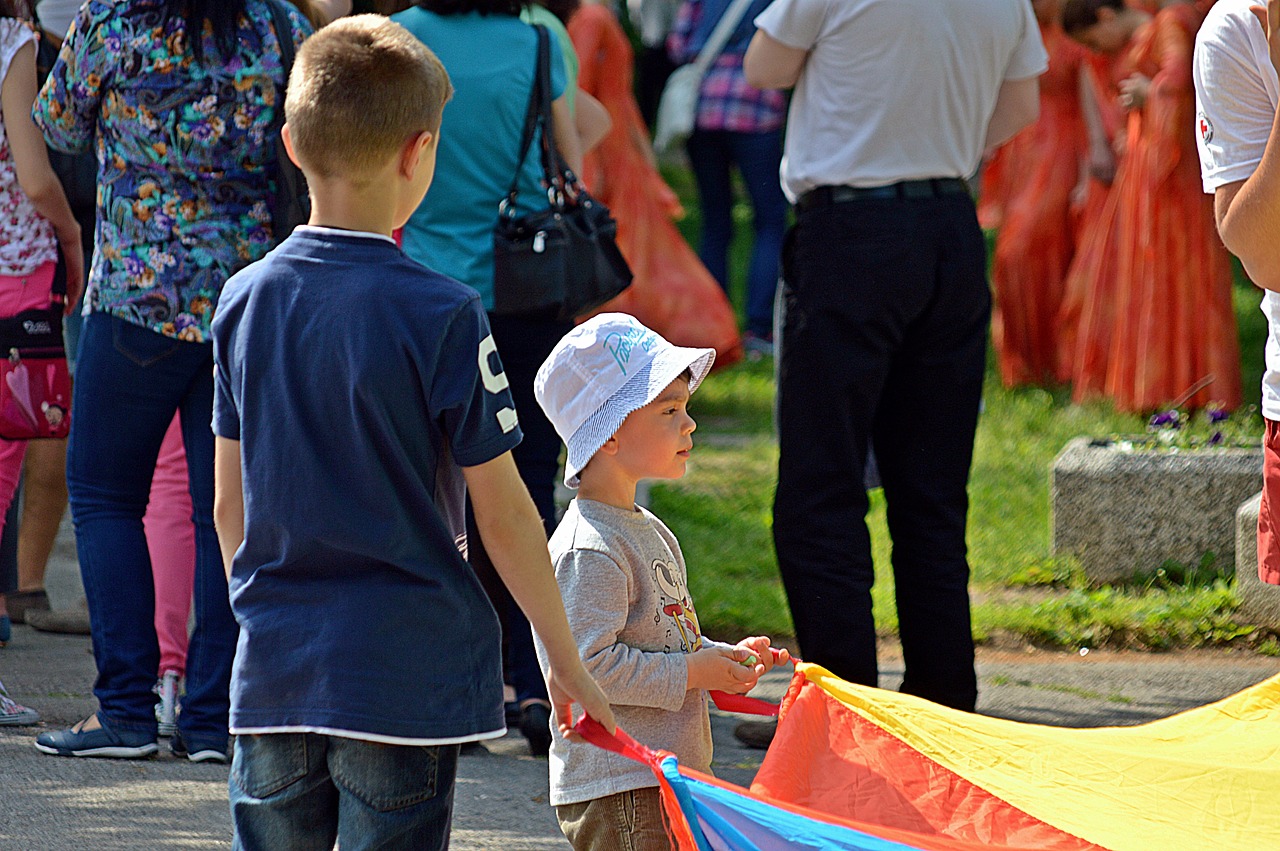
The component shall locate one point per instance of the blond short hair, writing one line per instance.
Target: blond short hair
(360, 88)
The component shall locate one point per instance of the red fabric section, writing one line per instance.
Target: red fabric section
(830, 759)
(726, 702)
(1269, 508)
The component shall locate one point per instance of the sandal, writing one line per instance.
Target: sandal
(21, 602)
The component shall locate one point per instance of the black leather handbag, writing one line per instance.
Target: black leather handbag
(561, 262)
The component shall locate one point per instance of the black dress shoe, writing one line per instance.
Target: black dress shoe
(535, 724)
(756, 734)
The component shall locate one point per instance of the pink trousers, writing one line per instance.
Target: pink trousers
(171, 540)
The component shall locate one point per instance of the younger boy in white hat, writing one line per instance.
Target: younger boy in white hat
(617, 394)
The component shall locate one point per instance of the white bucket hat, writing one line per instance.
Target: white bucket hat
(600, 372)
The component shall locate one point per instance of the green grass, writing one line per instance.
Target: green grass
(721, 513)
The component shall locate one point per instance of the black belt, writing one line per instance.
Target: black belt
(934, 187)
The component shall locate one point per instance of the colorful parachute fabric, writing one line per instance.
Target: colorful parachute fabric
(861, 768)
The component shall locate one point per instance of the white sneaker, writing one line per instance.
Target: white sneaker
(167, 708)
(14, 714)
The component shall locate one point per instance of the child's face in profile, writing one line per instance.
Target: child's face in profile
(654, 442)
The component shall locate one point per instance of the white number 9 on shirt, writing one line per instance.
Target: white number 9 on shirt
(495, 382)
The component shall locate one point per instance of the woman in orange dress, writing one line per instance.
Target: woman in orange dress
(673, 293)
(1036, 239)
(1087, 311)
(1174, 336)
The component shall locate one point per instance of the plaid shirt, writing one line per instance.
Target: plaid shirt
(725, 100)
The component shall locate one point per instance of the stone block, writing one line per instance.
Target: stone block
(1124, 512)
(1259, 602)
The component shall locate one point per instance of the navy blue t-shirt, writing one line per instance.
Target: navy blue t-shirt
(357, 382)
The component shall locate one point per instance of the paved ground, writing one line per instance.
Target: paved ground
(54, 804)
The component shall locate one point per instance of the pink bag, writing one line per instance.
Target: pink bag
(35, 385)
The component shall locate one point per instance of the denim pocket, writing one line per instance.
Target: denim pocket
(265, 765)
(141, 345)
(388, 777)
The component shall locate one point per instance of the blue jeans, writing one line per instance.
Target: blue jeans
(129, 382)
(301, 791)
(713, 153)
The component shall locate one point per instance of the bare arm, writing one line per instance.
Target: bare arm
(514, 538)
(1017, 106)
(31, 162)
(566, 133)
(592, 121)
(228, 499)
(1101, 160)
(770, 64)
(1248, 216)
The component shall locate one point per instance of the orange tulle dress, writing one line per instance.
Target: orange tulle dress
(1175, 327)
(1033, 180)
(1087, 311)
(673, 293)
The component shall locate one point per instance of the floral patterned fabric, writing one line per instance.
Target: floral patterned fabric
(183, 153)
(26, 238)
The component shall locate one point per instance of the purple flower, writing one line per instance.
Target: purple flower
(1215, 439)
(1217, 415)
(1165, 419)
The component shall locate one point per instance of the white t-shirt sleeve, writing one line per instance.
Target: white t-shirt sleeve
(13, 37)
(795, 23)
(1029, 58)
(1235, 98)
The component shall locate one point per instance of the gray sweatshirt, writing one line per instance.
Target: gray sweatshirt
(622, 577)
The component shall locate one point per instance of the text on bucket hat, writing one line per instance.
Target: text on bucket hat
(600, 372)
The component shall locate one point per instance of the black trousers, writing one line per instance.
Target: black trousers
(884, 341)
(652, 70)
(523, 344)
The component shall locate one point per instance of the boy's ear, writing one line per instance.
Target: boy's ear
(610, 447)
(287, 137)
(413, 150)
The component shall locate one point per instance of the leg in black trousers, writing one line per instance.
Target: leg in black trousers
(523, 345)
(885, 329)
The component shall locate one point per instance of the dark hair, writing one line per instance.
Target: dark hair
(24, 9)
(484, 7)
(562, 9)
(222, 16)
(1079, 15)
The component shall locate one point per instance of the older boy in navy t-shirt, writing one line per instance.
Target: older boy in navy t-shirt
(358, 395)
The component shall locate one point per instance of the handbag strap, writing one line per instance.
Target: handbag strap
(720, 35)
(563, 186)
(536, 114)
(284, 35)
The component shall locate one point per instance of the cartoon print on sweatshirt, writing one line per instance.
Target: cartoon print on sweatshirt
(675, 602)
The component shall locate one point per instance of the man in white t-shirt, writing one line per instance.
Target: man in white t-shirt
(887, 308)
(1237, 97)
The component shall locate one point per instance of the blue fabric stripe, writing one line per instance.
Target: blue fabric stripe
(728, 821)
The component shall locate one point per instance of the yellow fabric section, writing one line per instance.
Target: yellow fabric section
(1205, 778)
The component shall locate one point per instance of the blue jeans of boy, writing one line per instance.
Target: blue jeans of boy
(301, 791)
(713, 154)
(129, 381)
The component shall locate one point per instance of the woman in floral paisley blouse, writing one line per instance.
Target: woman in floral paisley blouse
(182, 133)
